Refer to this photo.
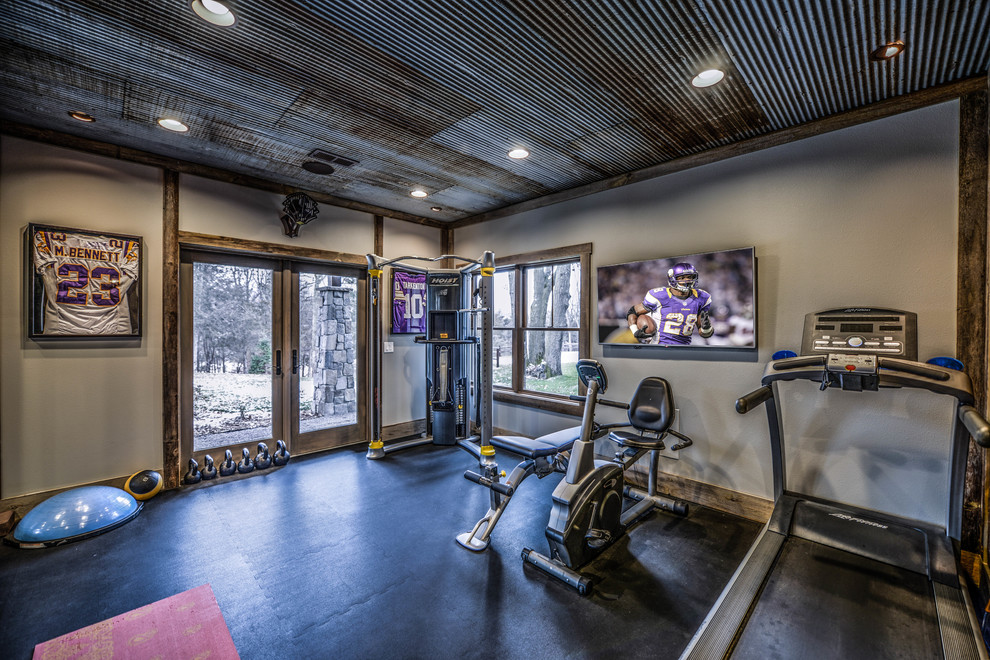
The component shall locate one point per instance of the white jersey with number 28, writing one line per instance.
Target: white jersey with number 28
(86, 281)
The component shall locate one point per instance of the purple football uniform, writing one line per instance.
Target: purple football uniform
(676, 317)
(408, 302)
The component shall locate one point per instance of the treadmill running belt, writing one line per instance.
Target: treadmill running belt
(820, 602)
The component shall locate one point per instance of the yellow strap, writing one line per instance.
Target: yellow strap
(487, 450)
(375, 272)
(376, 444)
(487, 272)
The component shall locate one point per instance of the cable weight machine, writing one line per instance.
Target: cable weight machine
(455, 352)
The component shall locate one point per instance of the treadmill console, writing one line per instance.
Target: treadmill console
(865, 331)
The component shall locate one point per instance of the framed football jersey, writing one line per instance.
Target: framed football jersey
(408, 302)
(83, 283)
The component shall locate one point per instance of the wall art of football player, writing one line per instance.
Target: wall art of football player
(675, 310)
(89, 283)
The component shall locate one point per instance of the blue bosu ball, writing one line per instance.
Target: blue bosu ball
(74, 515)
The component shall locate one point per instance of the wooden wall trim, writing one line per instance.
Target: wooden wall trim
(379, 235)
(971, 294)
(862, 115)
(183, 167)
(170, 329)
(746, 506)
(261, 248)
(552, 254)
(404, 430)
(447, 245)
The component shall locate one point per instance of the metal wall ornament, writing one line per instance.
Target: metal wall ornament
(298, 209)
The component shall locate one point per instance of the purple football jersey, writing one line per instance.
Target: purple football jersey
(408, 302)
(676, 317)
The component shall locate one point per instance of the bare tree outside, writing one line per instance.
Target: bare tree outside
(551, 310)
(232, 354)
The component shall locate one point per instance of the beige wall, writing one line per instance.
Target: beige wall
(74, 413)
(862, 216)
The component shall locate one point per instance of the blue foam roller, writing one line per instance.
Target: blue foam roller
(74, 515)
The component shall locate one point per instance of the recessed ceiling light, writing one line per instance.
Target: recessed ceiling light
(708, 78)
(519, 153)
(173, 125)
(418, 193)
(214, 12)
(887, 51)
(435, 208)
(81, 116)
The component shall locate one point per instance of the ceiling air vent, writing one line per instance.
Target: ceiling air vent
(333, 159)
(323, 161)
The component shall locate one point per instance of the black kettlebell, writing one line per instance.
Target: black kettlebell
(262, 459)
(246, 465)
(228, 467)
(209, 470)
(193, 476)
(281, 455)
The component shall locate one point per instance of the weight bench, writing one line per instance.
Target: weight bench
(540, 457)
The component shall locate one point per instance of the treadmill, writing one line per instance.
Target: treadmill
(829, 580)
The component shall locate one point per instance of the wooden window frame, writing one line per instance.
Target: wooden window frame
(516, 394)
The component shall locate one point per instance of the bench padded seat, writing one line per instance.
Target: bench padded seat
(635, 440)
(545, 445)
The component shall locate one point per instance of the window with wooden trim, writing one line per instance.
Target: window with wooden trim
(541, 328)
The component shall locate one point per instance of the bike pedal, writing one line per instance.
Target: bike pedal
(597, 538)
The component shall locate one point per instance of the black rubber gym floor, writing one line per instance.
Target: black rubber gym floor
(336, 556)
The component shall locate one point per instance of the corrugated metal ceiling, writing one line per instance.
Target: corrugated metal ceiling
(434, 94)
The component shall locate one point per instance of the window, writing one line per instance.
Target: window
(541, 326)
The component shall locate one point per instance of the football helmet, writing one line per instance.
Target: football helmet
(680, 270)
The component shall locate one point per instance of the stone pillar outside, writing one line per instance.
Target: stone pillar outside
(334, 387)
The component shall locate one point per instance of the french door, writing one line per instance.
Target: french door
(271, 349)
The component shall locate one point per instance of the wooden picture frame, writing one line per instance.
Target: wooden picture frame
(83, 284)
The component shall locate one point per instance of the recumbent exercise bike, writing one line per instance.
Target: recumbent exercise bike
(587, 515)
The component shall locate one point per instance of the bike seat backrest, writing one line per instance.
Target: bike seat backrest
(652, 405)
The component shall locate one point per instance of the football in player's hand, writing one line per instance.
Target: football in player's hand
(646, 324)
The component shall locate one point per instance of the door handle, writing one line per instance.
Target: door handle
(278, 362)
(295, 361)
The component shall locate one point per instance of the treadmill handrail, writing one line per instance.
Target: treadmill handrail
(748, 402)
(975, 424)
(892, 372)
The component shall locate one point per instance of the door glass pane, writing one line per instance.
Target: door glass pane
(232, 355)
(550, 359)
(327, 361)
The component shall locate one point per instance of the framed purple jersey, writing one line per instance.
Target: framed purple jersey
(408, 302)
(676, 317)
(83, 284)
